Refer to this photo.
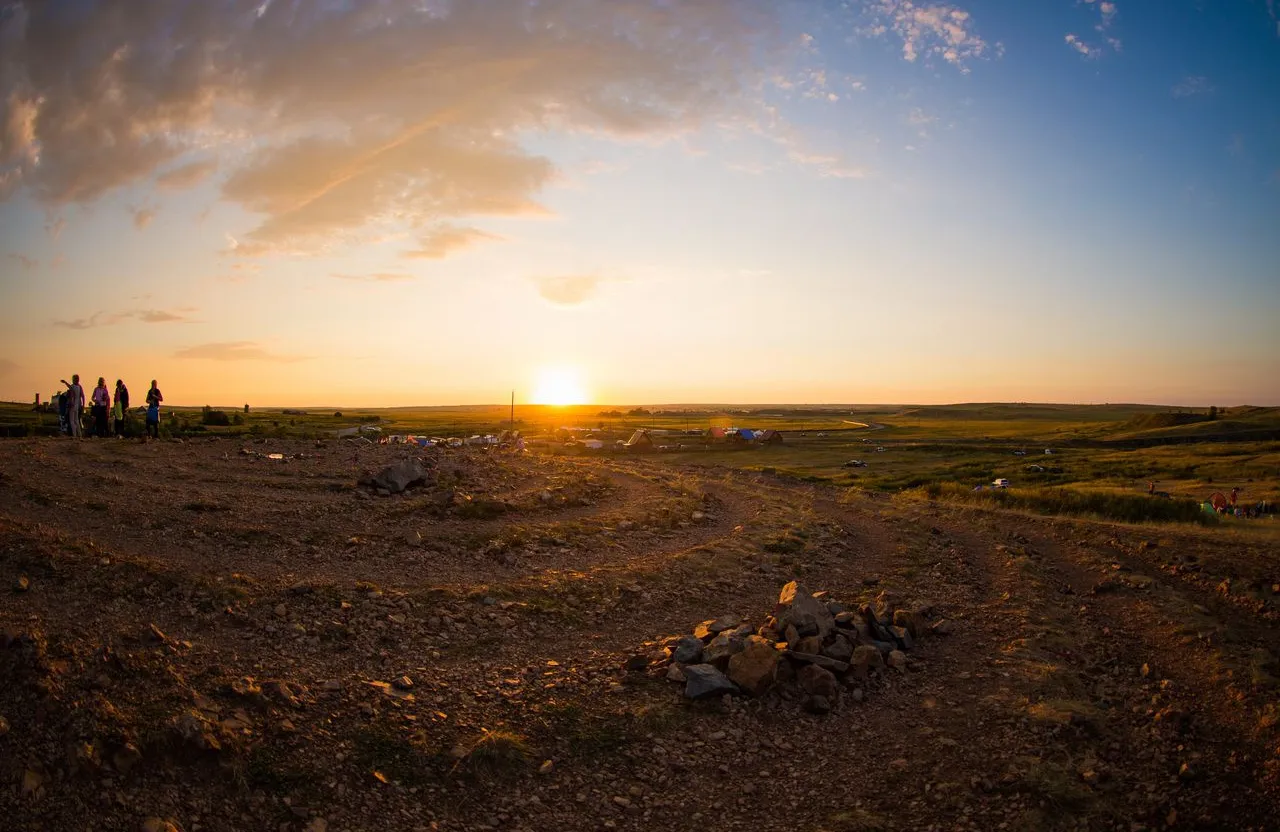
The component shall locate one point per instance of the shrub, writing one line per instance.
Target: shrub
(216, 418)
(1127, 508)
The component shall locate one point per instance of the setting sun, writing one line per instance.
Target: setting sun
(559, 386)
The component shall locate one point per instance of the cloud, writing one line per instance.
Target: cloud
(569, 290)
(186, 176)
(1107, 12)
(375, 277)
(934, 30)
(1083, 48)
(1192, 85)
(445, 239)
(339, 121)
(27, 263)
(142, 217)
(234, 351)
(146, 316)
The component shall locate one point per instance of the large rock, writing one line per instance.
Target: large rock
(817, 681)
(725, 622)
(913, 621)
(721, 648)
(834, 665)
(688, 650)
(704, 680)
(796, 607)
(902, 636)
(755, 669)
(396, 478)
(866, 656)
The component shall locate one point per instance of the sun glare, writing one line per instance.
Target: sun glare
(559, 386)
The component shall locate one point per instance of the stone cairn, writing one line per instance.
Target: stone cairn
(809, 640)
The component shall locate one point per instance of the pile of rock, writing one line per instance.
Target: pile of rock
(397, 478)
(811, 640)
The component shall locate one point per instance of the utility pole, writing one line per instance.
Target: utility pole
(513, 411)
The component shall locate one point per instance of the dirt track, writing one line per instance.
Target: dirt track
(1098, 676)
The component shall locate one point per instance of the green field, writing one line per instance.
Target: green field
(1098, 451)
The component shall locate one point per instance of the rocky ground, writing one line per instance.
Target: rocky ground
(217, 636)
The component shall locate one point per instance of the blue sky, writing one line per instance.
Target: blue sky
(713, 200)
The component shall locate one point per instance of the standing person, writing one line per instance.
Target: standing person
(101, 407)
(75, 405)
(64, 425)
(154, 397)
(122, 406)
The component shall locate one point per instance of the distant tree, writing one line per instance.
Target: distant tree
(638, 411)
(217, 418)
(237, 420)
(1213, 412)
(337, 414)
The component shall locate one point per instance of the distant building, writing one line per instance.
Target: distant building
(770, 437)
(639, 441)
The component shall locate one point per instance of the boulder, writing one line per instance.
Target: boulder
(688, 650)
(404, 474)
(817, 681)
(897, 659)
(797, 608)
(755, 668)
(912, 621)
(839, 649)
(704, 680)
(718, 651)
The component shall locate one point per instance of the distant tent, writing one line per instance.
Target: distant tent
(771, 437)
(639, 441)
(747, 434)
(716, 434)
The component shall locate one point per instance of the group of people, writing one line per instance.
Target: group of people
(104, 409)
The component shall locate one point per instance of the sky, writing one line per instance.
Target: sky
(391, 203)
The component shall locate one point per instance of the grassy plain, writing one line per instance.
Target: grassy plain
(1094, 451)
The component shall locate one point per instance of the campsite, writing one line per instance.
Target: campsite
(487, 640)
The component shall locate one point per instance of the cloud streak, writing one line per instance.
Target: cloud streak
(1192, 85)
(234, 351)
(444, 240)
(146, 316)
(569, 290)
(375, 277)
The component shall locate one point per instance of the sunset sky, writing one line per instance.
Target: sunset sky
(436, 202)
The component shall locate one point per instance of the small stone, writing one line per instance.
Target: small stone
(866, 656)
(725, 622)
(126, 758)
(817, 681)
(282, 610)
(675, 674)
(546, 767)
(702, 631)
(1185, 772)
(897, 659)
(318, 825)
(157, 825)
(839, 649)
(688, 650)
(796, 607)
(942, 628)
(4, 726)
(808, 644)
(706, 680)
(698, 516)
(817, 704)
(755, 669)
(635, 662)
(403, 683)
(332, 685)
(619, 800)
(902, 636)
(913, 622)
(23, 584)
(721, 647)
(857, 695)
(1146, 670)
(31, 782)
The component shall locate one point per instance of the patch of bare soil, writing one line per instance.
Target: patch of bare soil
(197, 638)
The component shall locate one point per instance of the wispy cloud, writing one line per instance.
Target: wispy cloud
(234, 351)
(186, 176)
(142, 217)
(27, 263)
(569, 290)
(446, 239)
(1107, 11)
(1192, 85)
(375, 277)
(182, 315)
(932, 30)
